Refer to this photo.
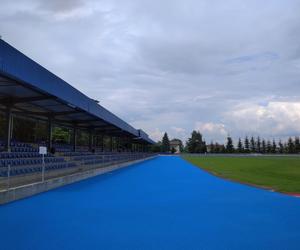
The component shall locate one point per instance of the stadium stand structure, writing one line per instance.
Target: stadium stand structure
(26, 160)
(34, 102)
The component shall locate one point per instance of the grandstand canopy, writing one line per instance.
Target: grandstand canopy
(29, 89)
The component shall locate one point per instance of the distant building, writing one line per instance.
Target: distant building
(209, 148)
(177, 145)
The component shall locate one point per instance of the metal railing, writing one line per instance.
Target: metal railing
(15, 176)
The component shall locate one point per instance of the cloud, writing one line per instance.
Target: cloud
(156, 134)
(276, 119)
(266, 56)
(179, 133)
(212, 131)
(178, 130)
(60, 6)
(171, 65)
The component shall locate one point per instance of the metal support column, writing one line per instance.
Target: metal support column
(8, 128)
(74, 138)
(50, 125)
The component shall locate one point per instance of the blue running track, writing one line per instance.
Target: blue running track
(165, 203)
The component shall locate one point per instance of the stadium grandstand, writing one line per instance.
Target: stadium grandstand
(37, 108)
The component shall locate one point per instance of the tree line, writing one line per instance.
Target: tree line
(261, 146)
(197, 144)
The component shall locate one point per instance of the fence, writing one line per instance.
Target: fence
(15, 176)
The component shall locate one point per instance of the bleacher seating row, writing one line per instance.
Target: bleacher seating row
(13, 155)
(29, 161)
(24, 159)
(23, 149)
(84, 153)
(66, 148)
(31, 170)
(19, 147)
(71, 154)
(86, 157)
(62, 147)
(16, 144)
(103, 158)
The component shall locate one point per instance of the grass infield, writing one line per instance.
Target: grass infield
(281, 174)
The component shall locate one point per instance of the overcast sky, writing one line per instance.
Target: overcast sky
(221, 67)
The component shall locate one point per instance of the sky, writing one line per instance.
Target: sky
(221, 67)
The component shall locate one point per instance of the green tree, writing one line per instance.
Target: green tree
(156, 148)
(240, 146)
(290, 146)
(269, 147)
(165, 143)
(274, 147)
(247, 145)
(61, 135)
(263, 147)
(297, 145)
(229, 145)
(252, 145)
(280, 147)
(258, 145)
(196, 144)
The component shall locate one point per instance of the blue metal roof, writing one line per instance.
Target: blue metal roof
(144, 136)
(17, 66)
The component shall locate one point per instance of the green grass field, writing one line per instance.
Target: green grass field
(279, 173)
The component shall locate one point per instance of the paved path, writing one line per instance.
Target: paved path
(164, 203)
